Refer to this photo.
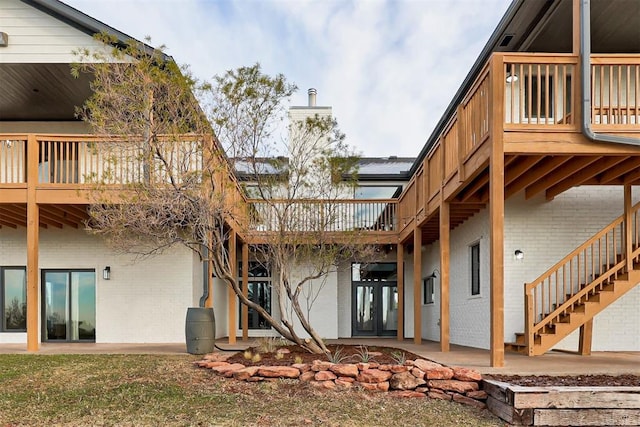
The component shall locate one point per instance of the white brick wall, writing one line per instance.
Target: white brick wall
(144, 302)
(545, 232)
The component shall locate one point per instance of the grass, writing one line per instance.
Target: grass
(169, 390)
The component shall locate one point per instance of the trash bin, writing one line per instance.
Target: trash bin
(200, 330)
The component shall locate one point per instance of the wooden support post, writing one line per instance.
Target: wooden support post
(33, 237)
(628, 227)
(444, 274)
(245, 291)
(417, 285)
(233, 262)
(400, 283)
(496, 212)
(209, 301)
(586, 334)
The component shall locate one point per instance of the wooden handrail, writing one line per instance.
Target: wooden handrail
(552, 285)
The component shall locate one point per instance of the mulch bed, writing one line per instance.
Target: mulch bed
(348, 354)
(569, 381)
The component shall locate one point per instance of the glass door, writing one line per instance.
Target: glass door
(68, 305)
(375, 308)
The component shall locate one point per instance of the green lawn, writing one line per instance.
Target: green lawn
(169, 390)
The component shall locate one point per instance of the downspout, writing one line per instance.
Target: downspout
(585, 66)
(205, 277)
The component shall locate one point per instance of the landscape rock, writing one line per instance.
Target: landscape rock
(307, 376)
(246, 373)
(383, 386)
(341, 383)
(439, 373)
(405, 381)
(227, 368)
(469, 401)
(319, 365)
(278, 372)
(438, 394)
(478, 395)
(461, 387)
(417, 372)
(373, 376)
(303, 367)
(396, 369)
(466, 374)
(345, 370)
(425, 365)
(325, 376)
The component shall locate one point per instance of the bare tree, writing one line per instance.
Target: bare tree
(177, 186)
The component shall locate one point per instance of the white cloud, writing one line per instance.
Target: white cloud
(388, 68)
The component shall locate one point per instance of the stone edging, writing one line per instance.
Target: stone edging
(415, 378)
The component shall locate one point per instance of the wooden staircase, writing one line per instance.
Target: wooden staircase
(580, 286)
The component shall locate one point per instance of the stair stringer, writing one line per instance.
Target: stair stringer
(579, 315)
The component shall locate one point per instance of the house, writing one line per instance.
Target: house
(514, 228)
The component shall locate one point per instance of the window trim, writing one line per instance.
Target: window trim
(3, 320)
(428, 291)
(472, 273)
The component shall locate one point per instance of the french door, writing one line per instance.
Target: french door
(375, 308)
(68, 305)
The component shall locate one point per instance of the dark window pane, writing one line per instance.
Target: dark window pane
(15, 299)
(475, 269)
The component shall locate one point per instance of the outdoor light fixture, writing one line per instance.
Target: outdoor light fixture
(4, 39)
(106, 273)
(433, 275)
(512, 77)
(518, 255)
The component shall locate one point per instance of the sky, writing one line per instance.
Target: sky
(388, 68)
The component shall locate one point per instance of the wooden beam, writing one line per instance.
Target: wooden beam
(521, 168)
(576, 27)
(233, 262)
(33, 238)
(586, 336)
(582, 176)
(545, 167)
(400, 284)
(417, 286)
(573, 166)
(245, 290)
(444, 274)
(496, 213)
(631, 164)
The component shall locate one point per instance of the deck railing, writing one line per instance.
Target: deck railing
(589, 267)
(323, 215)
(615, 82)
(13, 159)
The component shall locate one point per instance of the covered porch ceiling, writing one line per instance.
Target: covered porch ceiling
(41, 92)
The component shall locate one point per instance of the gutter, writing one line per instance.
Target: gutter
(585, 75)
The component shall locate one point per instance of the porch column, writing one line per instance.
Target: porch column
(496, 213)
(245, 290)
(417, 285)
(400, 267)
(33, 236)
(233, 262)
(444, 274)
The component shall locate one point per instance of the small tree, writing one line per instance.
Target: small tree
(180, 187)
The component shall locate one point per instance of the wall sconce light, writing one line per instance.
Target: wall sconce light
(4, 39)
(518, 255)
(512, 77)
(433, 275)
(106, 273)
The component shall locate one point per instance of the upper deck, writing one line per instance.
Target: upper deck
(529, 104)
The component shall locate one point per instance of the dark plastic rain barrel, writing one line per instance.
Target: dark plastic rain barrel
(200, 330)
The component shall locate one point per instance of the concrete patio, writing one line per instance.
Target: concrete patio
(552, 363)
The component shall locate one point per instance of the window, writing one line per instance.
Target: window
(428, 290)
(475, 269)
(13, 296)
